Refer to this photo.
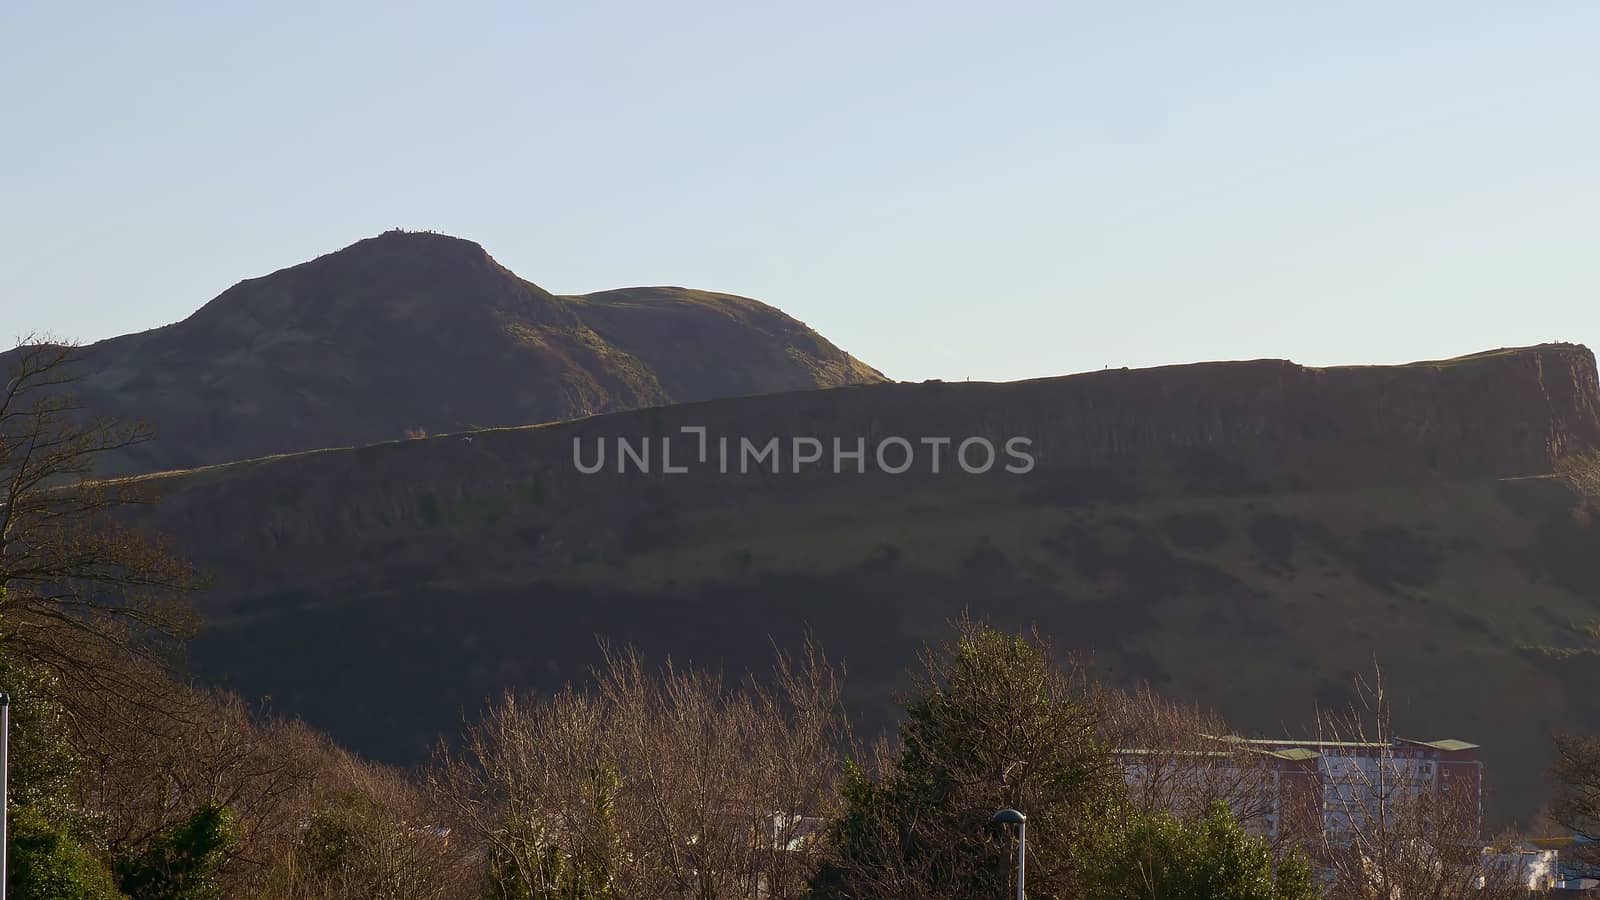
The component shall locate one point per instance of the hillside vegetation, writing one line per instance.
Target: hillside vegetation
(1246, 535)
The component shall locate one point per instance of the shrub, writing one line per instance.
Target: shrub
(1158, 855)
(47, 863)
(183, 862)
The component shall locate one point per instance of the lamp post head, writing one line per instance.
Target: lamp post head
(1008, 816)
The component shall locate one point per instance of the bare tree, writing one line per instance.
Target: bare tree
(726, 785)
(144, 770)
(653, 784)
(310, 820)
(535, 784)
(97, 604)
(1393, 826)
(1181, 760)
(1577, 808)
(371, 832)
(75, 580)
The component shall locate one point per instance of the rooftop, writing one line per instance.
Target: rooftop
(1449, 745)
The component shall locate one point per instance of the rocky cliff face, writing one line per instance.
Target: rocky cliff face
(1215, 429)
(425, 332)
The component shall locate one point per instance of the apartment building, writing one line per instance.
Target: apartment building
(1325, 788)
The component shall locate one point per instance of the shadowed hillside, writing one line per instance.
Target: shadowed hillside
(420, 331)
(1249, 535)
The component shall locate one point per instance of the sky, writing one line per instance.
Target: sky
(946, 190)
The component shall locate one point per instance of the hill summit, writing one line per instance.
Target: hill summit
(422, 332)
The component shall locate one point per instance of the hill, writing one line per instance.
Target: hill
(425, 332)
(1248, 535)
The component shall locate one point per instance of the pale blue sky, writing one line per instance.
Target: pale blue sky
(985, 190)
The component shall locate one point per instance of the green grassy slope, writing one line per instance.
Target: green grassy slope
(1262, 606)
(385, 591)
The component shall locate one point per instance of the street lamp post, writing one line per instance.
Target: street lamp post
(5, 788)
(1007, 817)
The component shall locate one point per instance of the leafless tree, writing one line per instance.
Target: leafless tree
(98, 605)
(535, 776)
(371, 832)
(653, 784)
(1393, 828)
(1181, 759)
(144, 773)
(1577, 808)
(76, 582)
(310, 819)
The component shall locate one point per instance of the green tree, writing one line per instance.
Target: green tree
(183, 862)
(1160, 857)
(52, 842)
(43, 764)
(48, 863)
(995, 723)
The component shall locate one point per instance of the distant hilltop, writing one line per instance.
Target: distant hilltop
(416, 332)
